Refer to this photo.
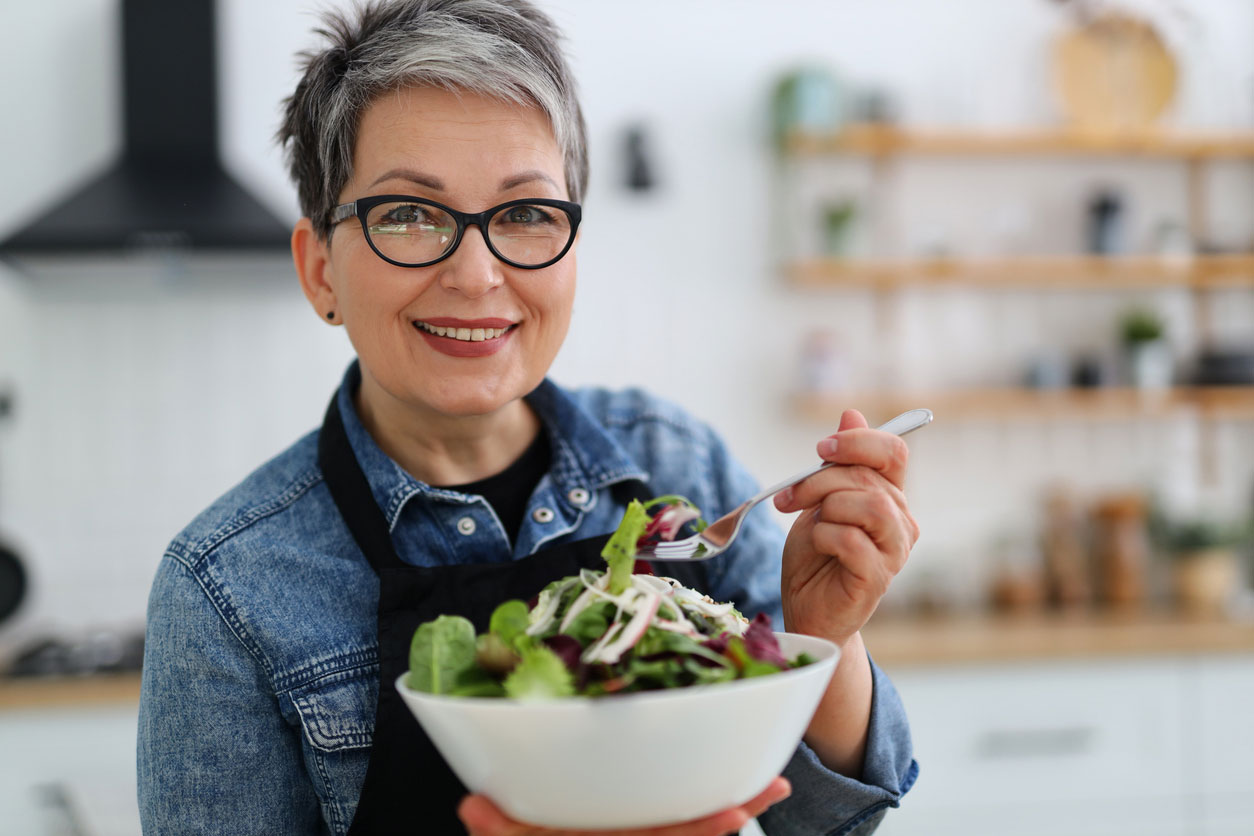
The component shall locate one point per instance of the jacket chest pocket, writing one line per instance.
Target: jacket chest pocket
(337, 711)
(337, 726)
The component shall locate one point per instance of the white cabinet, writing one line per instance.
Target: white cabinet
(1221, 788)
(1111, 747)
(69, 770)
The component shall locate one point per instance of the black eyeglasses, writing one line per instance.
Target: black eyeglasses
(413, 232)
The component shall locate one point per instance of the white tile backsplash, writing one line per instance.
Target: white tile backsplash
(144, 393)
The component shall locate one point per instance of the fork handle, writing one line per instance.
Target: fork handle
(906, 422)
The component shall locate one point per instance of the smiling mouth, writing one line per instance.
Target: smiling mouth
(469, 335)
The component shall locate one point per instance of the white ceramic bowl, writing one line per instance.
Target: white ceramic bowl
(634, 760)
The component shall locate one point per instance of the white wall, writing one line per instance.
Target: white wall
(140, 399)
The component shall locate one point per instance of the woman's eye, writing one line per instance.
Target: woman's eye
(525, 215)
(406, 214)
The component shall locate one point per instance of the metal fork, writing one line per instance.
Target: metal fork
(718, 536)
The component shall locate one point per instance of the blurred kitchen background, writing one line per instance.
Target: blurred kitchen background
(1034, 217)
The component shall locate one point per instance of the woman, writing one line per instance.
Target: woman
(449, 474)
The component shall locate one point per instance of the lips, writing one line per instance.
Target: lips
(465, 337)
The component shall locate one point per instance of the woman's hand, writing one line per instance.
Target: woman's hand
(853, 536)
(483, 818)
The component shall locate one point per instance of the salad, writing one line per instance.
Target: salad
(601, 632)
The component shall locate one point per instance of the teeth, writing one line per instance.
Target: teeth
(465, 334)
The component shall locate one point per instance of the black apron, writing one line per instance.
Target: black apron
(408, 787)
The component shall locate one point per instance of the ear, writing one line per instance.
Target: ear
(312, 258)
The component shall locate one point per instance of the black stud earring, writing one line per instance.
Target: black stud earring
(331, 315)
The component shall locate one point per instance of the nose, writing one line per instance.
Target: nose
(472, 269)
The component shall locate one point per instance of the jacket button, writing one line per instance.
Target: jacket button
(578, 496)
(542, 515)
(466, 525)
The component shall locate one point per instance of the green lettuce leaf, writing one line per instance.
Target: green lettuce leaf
(592, 623)
(440, 652)
(540, 675)
(746, 664)
(509, 622)
(620, 551)
(477, 682)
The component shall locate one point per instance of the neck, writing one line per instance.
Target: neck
(442, 449)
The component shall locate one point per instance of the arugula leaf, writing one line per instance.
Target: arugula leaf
(440, 651)
(620, 551)
(540, 675)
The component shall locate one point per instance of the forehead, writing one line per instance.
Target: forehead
(459, 137)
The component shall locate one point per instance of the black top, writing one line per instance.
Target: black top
(508, 491)
(406, 772)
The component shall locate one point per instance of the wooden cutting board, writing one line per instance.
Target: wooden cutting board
(1115, 73)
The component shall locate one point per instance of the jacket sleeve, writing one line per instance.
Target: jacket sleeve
(823, 802)
(214, 753)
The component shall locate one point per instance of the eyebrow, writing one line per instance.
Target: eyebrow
(412, 176)
(436, 184)
(526, 177)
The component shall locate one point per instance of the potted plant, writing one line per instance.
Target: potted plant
(1205, 563)
(1146, 350)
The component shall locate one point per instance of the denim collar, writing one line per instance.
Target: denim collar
(584, 455)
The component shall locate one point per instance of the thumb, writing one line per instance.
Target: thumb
(483, 818)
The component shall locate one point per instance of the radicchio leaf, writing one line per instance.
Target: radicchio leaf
(761, 644)
(567, 649)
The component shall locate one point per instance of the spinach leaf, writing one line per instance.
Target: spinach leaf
(509, 622)
(477, 683)
(439, 652)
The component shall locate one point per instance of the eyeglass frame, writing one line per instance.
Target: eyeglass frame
(362, 206)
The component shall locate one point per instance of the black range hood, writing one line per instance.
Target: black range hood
(168, 189)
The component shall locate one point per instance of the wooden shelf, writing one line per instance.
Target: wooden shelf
(972, 639)
(69, 691)
(1107, 403)
(881, 140)
(1207, 272)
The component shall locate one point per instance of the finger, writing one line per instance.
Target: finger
(724, 822)
(865, 573)
(483, 818)
(875, 449)
(775, 792)
(879, 516)
(812, 491)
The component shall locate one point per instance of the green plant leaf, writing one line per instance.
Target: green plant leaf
(439, 652)
(509, 621)
(620, 550)
(540, 675)
(592, 623)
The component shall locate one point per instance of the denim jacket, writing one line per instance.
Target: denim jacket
(260, 667)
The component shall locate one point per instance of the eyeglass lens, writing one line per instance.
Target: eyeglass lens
(416, 233)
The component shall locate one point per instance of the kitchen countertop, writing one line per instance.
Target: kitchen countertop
(69, 691)
(894, 642)
(980, 638)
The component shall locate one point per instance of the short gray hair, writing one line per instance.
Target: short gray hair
(507, 49)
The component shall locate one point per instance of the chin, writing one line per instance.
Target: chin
(477, 398)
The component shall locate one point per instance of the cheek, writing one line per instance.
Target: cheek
(565, 289)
